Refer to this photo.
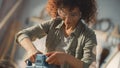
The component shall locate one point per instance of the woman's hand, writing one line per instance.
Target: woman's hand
(32, 55)
(56, 58)
(31, 50)
(59, 58)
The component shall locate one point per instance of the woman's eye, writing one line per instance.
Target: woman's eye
(73, 14)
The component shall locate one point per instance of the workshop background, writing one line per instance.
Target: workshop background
(19, 14)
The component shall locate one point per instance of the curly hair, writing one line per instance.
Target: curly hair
(87, 8)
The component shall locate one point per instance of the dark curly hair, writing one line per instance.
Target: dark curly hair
(87, 7)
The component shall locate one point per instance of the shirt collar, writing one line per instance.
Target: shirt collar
(59, 25)
(76, 32)
(79, 28)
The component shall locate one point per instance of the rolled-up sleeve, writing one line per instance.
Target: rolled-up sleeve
(90, 43)
(36, 31)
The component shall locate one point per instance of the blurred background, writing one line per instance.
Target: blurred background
(19, 14)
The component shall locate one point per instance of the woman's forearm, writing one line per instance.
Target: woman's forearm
(75, 63)
(27, 44)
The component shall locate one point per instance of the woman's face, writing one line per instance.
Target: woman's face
(70, 17)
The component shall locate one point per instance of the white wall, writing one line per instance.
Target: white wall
(32, 8)
(109, 9)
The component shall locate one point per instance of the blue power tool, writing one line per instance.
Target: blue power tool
(40, 62)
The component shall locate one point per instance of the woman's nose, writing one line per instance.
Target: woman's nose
(68, 18)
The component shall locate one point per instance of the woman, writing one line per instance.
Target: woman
(69, 41)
